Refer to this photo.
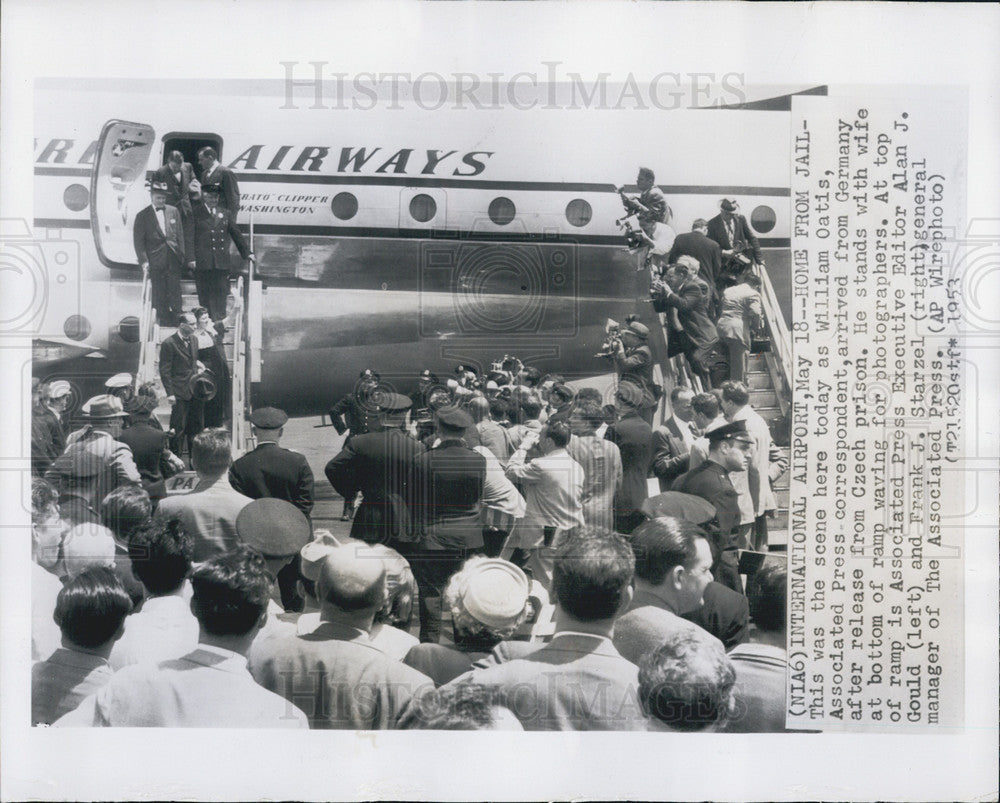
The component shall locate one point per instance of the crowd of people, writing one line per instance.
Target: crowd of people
(506, 565)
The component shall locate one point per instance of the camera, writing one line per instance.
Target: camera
(634, 237)
(612, 338)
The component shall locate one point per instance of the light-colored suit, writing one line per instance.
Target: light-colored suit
(759, 472)
(209, 514)
(576, 682)
(602, 478)
(208, 688)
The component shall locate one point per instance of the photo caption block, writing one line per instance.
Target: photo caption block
(876, 613)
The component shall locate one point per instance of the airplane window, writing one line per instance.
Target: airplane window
(502, 211)
(76, 327)
(344, 205)
(76, 197)
(422, 208)
(578, 212)
(763, 219)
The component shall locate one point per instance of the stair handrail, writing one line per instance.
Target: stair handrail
(146, 368)
(781, 338)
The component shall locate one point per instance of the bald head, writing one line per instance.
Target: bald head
(352, 579)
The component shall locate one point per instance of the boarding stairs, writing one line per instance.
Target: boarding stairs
(769, 382)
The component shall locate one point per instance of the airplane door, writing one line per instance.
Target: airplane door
(118, 189)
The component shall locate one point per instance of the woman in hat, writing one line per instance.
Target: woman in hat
(212, 355)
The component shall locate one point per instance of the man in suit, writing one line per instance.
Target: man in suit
(177, 175)
(208, 512)
(601, 461)
(697, 244)
(633, 362)
(734, 236)
(684, 291)
(328, 663)
(729, 450)
(448, 484)
(158, 237)
(178, 366)
(214, 173)
(380, 465)
(672, 440)
(673, 562)
(634, 439)
(578, 681)
(147, 444)
(213, 230)
(269, 470)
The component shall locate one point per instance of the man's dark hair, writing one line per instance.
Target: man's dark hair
(662, 543)
(455, 707)
(687, 683)
(751, 279)
(561, 393)
(479, 408)
(531, 377)
(559, 433)
(499, 408)
(706, 404)
(766, 594)
(125, 510)
(675, 394)
(91, 607)
(735, 392)
(531, 408)
(211, 451)
(208, 150)
(699, 223)
(589, 394)
(592, 573)
(231, 592)
(175, 156)
(44, 496)
(161, 555)
(590, 412)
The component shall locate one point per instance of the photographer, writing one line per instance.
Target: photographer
(737, 241)
(633, 362)
(650, 206)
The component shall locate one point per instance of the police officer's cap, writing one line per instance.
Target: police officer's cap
(215, 189)
(158, 186)
(454, 417)
(268, 418)
(427, 374)
(737, 430)
(368, 373)
(394, 403)
(122, 380)
(273, 527)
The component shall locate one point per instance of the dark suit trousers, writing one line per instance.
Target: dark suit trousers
(432, 569)
(165, 284)
(213, 290)
(187, 419)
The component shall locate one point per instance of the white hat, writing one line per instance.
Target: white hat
(495, 593)
(122, 380)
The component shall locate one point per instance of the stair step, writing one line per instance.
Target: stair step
(780, 496)
(759, 380)
(763, 398)
(756, 362)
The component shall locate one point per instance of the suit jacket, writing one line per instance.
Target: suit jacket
(213, 229)
(448, 484)
(646, 626)
(361, 416)
(634, 438)
(230, 197)
(178, 363)
(742, 233)
(741, 313)
(553, 495)
(209, 514)
(602, 478)
(704, 249)
(161, 249)
(380, 465)
(759, 470)
(335, 673)
(575, 682)
(177, 191)
(711, 482)
(93, 465)
(147, 444)
(671, 454)
(636, 366)
(725, 614)
(692, 301)
(273, 472)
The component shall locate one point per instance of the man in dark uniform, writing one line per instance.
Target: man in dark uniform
(734, 236)
(420, 412)
(380, 465)
(178, 367)
(213, 229)
(448, 483)
(214, 173)
(158, 237)
(357, 414)
(634, 438)
(729, 448)
(269, 470)
(697, 244)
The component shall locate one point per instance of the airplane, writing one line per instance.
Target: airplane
(395, 238)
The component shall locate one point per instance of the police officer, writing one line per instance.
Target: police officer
(380, 465)
(356, 413)
(729, 449)
(213, 229)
